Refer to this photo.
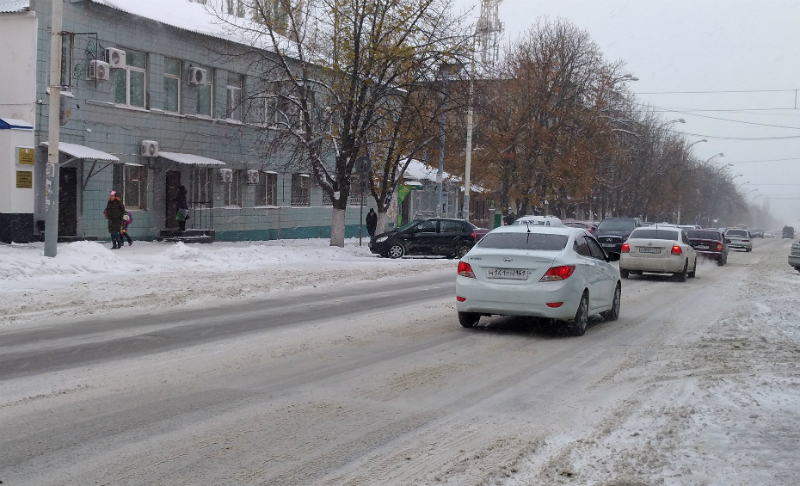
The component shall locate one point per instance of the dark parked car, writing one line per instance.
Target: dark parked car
(434, 236)
(574, 223)
(710, 243)
(788, 232)
(612, 232)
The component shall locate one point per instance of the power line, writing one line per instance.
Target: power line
(732, 121)
(718, 91)
(743, 139)
(765, 160)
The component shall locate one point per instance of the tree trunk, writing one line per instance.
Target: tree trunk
(337, 228)
(382, 220)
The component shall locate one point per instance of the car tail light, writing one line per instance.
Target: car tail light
(626, 248)
(745, 241)
(555, 274)
(676, 250)
(719, 246)
(474, 237)
(554, 304)
(465, 270)
(460, 299)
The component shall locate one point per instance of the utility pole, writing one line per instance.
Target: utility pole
(440, 171)
(468, 161)
(51, 172)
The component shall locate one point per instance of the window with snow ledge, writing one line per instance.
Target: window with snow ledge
(267, 189)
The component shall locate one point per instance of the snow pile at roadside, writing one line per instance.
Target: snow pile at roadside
(82, 257)
(89, 278)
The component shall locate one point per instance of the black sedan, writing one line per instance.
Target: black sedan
(434, 236)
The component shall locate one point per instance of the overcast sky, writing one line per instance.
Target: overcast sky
(704, 45)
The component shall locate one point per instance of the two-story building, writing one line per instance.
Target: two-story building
(153, 100)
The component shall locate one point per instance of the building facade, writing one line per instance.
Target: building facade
(154, 102)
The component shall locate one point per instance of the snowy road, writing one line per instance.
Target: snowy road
(376, 383)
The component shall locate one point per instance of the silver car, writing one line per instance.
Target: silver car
(658, 249)
(739, 238)
(541, 271)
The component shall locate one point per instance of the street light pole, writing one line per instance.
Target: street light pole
(51, 171)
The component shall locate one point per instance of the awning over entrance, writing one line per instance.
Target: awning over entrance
(414, 185)
(189, 159)
(83, 152)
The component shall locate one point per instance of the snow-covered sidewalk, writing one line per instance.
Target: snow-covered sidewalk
(89, 278)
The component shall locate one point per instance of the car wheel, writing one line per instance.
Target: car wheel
(581, 320)
(396, 250)
(613, 313)
(693, 273)
(748, 250)
(624, 273)
(461, 251)
(468, 319)
(797, 268)
(721, 261)
(681, 276)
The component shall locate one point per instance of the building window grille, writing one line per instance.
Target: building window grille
(267, 189)
(129, 82)
(172, 85)
(201, 189)
(301, 185)
(130, 182)
(233, 105)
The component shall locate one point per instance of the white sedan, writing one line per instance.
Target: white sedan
(540, 271)
(658, 249)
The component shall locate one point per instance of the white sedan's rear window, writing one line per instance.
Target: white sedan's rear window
(524, 241)
(654, 234)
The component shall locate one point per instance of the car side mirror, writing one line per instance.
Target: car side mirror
(613, 257)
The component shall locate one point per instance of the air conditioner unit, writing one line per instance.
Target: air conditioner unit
(148, 148)
(115, 58)
(98, 70)
(252, 177)
(224, 175)
(198, 76)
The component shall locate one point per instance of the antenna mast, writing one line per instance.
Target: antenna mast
(488, 32)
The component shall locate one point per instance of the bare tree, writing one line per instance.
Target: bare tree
(334, 74)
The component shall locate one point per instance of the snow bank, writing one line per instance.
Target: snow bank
(89, 278)
(19, 262)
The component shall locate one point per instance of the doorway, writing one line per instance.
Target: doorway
(68, 201)
(171, 205)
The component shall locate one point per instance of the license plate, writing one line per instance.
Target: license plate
(702, 247)
(649, 250)
(507, 273)
(608, 245)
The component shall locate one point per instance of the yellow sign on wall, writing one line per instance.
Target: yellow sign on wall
(25, 155)
(24, 179)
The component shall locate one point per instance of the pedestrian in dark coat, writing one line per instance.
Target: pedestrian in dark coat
(114, 212)
(372, 222)
(183, 208)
